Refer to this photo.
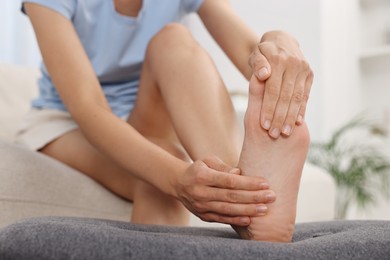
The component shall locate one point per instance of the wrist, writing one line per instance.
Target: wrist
(173, 179)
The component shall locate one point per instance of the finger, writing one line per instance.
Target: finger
(295, 104)
(260, 65)
(302, 110)
(281, 110)
(237, 221)
(289, 103)
(241, 197)
(235, 182)
(217, 164)
(235, 171)
(271, 96)
(233, 209)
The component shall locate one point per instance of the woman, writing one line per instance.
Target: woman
(130, 99)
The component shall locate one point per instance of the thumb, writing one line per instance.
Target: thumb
(260, 66)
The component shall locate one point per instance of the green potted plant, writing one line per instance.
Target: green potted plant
(355, 159)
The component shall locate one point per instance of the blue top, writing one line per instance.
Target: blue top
(115, 45)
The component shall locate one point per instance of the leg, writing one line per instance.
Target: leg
(74, 150)
(278, 161)
(180, 78)
(151, 206)
(181, 101)
(69, 148)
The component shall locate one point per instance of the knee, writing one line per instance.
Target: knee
(172, 34)
(173, 30)
(172, 37)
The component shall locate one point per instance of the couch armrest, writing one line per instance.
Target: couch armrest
(32, 184)
(17, 87)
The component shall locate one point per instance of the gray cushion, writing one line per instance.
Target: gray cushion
(75, 238)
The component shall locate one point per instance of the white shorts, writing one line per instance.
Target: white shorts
(42, 126)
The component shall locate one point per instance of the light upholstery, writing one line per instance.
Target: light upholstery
(38, 185)
(32, 184)
(17, 88)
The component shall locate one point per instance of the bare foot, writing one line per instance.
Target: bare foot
(280, 162)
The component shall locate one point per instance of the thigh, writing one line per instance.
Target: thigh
(74, 150)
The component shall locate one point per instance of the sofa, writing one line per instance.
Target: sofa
(33, 185)
(51, 211)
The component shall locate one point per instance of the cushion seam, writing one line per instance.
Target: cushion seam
(52, 204)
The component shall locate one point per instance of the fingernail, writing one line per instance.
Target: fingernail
(270, 197)
(275, 133)
(267, 124)
(287, 130)
(264, 186)
(261, 209)
(263, 72)
(245, 221)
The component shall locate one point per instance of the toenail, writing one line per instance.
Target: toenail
(287, 130)
(267, 124)
(261, 209)
(275, 133)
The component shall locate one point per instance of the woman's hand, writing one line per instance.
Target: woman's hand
(216, 192)
(278, 60)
